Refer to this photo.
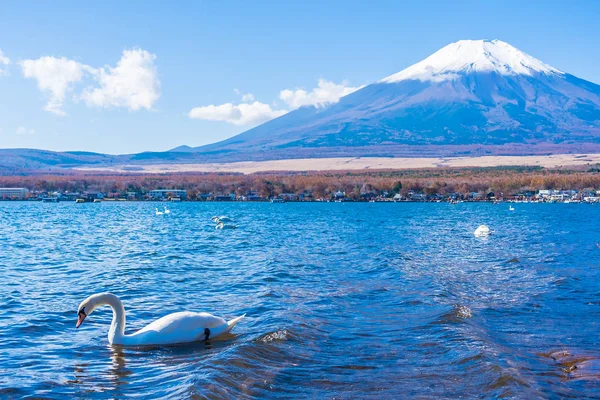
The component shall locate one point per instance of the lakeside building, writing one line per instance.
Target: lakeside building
(288, 196)
(224, 197)
(162, 194)
(14, 193)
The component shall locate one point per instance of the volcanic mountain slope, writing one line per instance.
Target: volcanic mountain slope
(470, 94)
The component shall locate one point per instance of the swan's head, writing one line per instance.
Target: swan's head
(215, 219)
(88, 306)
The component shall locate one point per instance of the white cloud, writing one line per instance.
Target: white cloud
(21, 130)
(252, 112)
(326, 93)
(4, 61)
(247, 98)
(54, 76)
(133, 83)
(242, 114)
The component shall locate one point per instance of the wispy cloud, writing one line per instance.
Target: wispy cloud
(248, 97)
(241, 114)
(251, 112)
(4, 62)
(132, 84)
(21, 130)
(327, 92)
(54, 76)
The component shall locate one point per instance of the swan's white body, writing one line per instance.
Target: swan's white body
(482, 230)
(511, 208)
(176, 328)
(167, 211)
(222, 218)
(221, 225)
(159, 212)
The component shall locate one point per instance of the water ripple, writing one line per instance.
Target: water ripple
(342, 300)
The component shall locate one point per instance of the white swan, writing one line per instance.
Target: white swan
(180, 327)
(482, 230)
(167, 211)
(221, 225)
(510, 208)
(222, 218)
(159, 212)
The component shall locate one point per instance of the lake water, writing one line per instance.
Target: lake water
(342, 300)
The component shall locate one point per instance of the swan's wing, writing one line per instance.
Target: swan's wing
(184, 321)
(181, 327)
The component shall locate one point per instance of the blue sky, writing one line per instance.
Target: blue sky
(123, 77)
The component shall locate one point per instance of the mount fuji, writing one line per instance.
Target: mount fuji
(472, 97)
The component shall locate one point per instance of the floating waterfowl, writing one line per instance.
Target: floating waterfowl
(176, 328)
(222, 225)
(482, 230)
(159, 212)
(222, 218)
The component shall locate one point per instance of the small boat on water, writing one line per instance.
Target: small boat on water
(97, 201)
(79, 201)
(50, 200)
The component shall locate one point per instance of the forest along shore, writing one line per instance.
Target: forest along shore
(572, 184)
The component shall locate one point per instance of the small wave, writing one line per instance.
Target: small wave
(277, 336)
(462, 311)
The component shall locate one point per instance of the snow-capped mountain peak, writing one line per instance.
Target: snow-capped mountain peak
(467, 56)
(471, 97)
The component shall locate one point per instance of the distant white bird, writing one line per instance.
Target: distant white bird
(159, 212)
(167, 211)
(221, 225)
(511, 208)
(222, 218)
(482, 230)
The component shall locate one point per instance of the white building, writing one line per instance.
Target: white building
(13, 193)
(166, 193)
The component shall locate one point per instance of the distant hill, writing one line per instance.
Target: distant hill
(29, 159)
(22, 160)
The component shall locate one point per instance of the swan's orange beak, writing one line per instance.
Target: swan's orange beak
(80, 317)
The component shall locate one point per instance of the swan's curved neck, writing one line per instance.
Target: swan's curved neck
(117, 327)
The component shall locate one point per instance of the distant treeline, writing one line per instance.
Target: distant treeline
(506, 180)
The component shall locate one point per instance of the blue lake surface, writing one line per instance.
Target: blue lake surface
(343, 300)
